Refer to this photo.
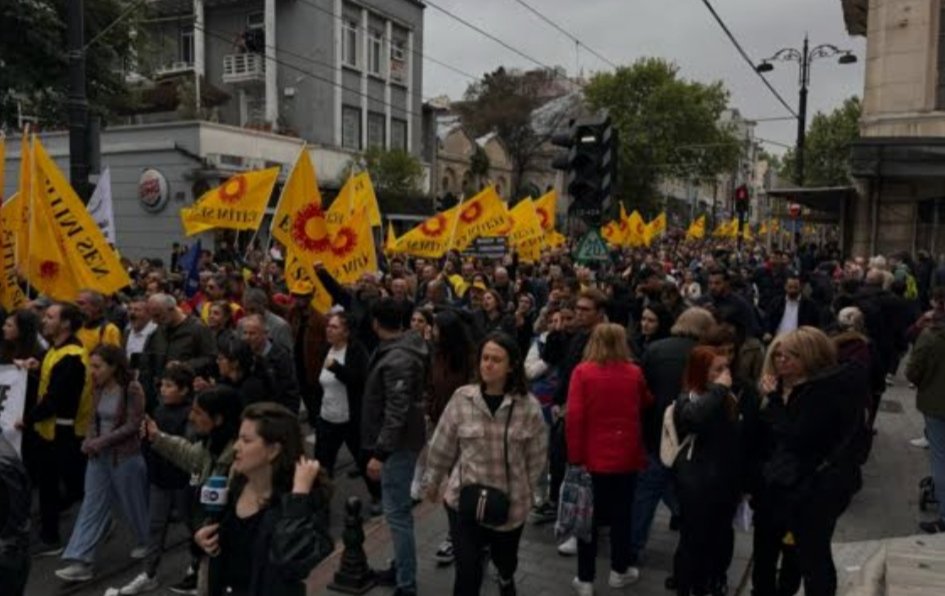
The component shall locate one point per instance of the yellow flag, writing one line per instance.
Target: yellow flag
(299, 222)
(763, 228)
(556, 238)
(11, 296)
(237, 204)
(610, 231)
(526, 236)
(356, 192)
(655, 228)
(3, 162)
(390, 243)
(481, 215)
(430, 239)
(696, 229)
(546, 207)
(48, 268)
(92, 262)
(636, 236)
(352, 249)
(19, 220)
(746, 232)
(301, 279)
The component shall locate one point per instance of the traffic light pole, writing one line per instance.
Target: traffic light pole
(77, 103)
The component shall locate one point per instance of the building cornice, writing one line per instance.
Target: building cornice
(855, 15)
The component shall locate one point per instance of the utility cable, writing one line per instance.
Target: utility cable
(747, 58)
(565, 32)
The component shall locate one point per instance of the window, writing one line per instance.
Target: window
(351, 127)
(398, 60)
(187, 46)
(256, 20)
(376, 53)
(349, 43)
(375, 129)
(398, 134)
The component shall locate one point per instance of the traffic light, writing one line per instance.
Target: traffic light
(590, 165)
(741, 199)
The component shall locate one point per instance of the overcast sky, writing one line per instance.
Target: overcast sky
(680, 30)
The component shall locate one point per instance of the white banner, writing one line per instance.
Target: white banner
(100, 206)
(12, 400)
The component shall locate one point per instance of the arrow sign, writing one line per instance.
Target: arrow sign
(592, 248)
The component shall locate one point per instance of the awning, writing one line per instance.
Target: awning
(826, 199)
(898, 157)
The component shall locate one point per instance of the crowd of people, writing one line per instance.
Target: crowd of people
(709, 377)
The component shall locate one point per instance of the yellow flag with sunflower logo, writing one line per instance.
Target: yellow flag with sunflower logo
(302, 280)
(481, 215)
(430, 239)
(352, 249)
(237, 204)
(299, 221)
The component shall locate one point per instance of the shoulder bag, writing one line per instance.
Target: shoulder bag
(487, 505)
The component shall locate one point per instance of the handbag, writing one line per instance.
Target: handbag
(670, 447)
(487, 505)
(576, 505)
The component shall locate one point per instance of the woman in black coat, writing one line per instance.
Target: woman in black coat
(814, 423)
(707, 473)
(271, 532)
(338, 395)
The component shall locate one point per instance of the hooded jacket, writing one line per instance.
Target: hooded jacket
(926, 369)
(392, 416)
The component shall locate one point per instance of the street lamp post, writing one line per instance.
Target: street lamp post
(804, 59)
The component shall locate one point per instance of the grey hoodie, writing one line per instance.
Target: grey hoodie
(393, 404)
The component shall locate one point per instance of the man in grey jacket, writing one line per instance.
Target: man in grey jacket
(392, 430)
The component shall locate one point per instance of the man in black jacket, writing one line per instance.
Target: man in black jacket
(59, 458)
(15, 501)
(393, 430)
(278, 361)
(790, 310)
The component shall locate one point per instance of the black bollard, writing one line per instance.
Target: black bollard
(353, 575)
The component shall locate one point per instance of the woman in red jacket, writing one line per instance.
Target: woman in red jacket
(606, 399)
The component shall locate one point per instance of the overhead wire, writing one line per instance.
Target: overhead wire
(747, 58)
(565, 32)
(485, 33)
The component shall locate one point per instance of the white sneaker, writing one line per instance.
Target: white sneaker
(921, 443)
(582, 588)
(139, 585)
(620, 580)
(568, 548)
(139, 552)
(77, 572)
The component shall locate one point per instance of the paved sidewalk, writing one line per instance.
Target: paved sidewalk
(541, 571)
(886, 507)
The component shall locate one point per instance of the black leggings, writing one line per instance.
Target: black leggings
(329, 437)
(706, 542)
(59, 463)
(469, 540)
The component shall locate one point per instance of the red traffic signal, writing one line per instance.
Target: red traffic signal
(741, 194)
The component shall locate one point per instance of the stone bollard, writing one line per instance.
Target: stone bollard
(353, 575)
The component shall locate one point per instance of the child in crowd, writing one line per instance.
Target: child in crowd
(170, 485)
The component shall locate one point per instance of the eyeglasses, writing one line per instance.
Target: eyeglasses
(786, 355)
(584, 308)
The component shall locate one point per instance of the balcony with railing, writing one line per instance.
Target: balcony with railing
(244, 69)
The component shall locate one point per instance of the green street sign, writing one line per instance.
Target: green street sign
(592, 248)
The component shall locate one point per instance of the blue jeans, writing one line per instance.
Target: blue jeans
(935, 433)
(655, 483)
(105, 486)
(396, 477)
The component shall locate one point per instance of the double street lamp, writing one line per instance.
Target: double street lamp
(804, 59)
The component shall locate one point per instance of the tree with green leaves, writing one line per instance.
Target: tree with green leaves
(394, 172)
(33, 62)
(668, 127)
(503, 102)
(827, 147)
